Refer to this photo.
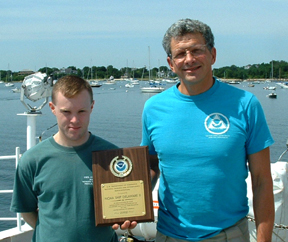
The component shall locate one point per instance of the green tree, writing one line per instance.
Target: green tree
(101, 72)
(86, 72)
(46, 70)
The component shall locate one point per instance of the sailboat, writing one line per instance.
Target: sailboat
(153, 88)
(8, 80)
(92, 82)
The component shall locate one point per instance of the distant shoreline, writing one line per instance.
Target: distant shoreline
(222, 79)
(253, 80)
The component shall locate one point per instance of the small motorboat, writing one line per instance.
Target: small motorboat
(129, 85)
(269, 88)
(272, 95)
(16, 90)
(234, 82)
(152, 89)
(9, 84)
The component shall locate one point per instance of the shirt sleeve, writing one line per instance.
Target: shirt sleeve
(146, 140)
(24, 199)
(259, 136)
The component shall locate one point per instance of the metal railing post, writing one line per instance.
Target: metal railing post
(17, 151)
(17, 158)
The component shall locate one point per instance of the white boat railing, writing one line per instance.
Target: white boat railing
(18, 215)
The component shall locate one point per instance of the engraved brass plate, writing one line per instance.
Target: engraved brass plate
(122, 186)
(123, 199)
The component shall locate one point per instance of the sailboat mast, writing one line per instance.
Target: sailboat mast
(272, 70)
(149, 61)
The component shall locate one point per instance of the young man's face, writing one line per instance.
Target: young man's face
(73, 116)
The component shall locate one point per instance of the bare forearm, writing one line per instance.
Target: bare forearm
(263, 205)
(263, 199)
(30, 218)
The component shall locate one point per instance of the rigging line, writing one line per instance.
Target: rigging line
(40, 137)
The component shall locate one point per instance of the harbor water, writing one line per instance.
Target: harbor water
(117, 118)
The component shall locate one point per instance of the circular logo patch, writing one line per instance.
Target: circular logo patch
(217, 123)
(121, 167)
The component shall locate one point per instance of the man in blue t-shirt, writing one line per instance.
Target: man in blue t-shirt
(53, 188)
(203, 136)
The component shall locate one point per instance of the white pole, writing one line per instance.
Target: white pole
(31, 128)
(31, 141)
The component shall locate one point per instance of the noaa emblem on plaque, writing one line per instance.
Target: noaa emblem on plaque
(121, 167)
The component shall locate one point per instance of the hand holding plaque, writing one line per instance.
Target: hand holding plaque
(122, 186)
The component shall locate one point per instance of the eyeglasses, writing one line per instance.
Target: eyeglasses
(194, 50)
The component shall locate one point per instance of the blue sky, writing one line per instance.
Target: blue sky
(62, 33)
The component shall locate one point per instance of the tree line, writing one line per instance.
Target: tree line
(272, 70)
(94, 72)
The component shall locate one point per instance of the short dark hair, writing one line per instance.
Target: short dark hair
(70, 86)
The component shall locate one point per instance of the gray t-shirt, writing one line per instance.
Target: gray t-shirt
(58, 180)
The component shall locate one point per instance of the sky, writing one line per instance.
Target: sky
(62, 33)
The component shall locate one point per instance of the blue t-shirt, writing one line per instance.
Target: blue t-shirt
(58, 180)
(202, 143)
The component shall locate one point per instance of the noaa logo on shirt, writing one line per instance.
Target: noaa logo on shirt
(217, 123)
(121, 167)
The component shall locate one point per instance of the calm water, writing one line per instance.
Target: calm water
(117, 118)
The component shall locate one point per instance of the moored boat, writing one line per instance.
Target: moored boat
(269, 88)
(135, 82)
(152, 89)
(129, 85)
(110, 81)
(16, 90)
(234, 82)
(272, 95)
(95, 84)
(9, 84)
(283, 84)
(170, 80)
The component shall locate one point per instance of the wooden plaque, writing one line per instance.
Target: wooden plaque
(122, 186)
